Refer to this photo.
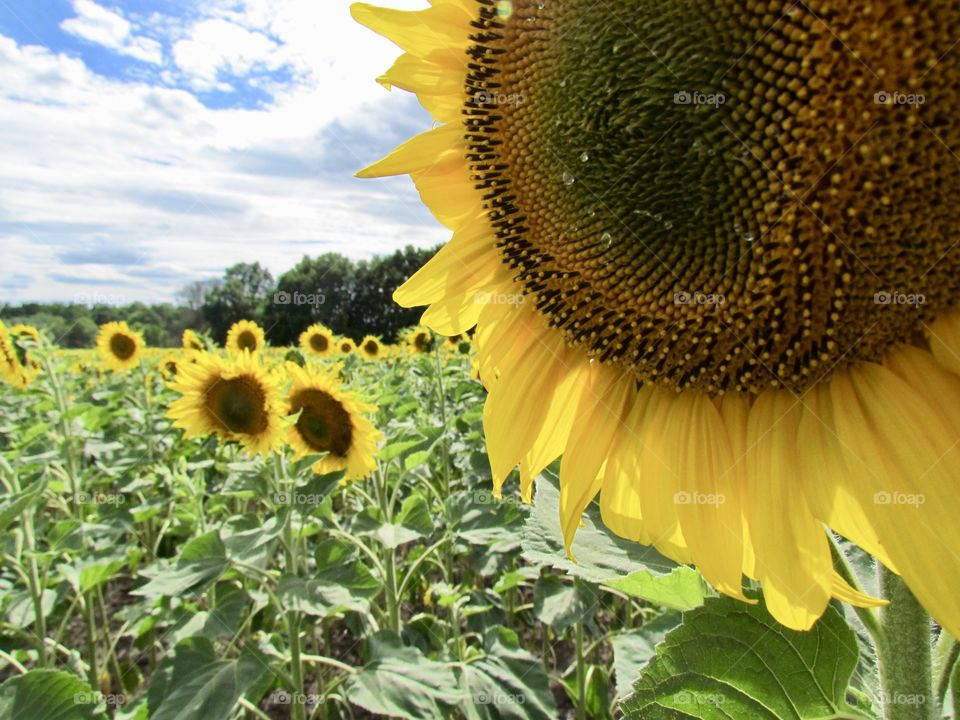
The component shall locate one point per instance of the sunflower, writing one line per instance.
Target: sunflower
(719, 278)
(17, 366)
(191, 341)
(346, 346)
(331, 421)
(169, 366)
(245, 335)
(236, 399)
(371, 348)
(119, 346)
(420, 340)
(316, 340)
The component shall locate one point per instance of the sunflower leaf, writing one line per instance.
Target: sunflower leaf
(48, 695)
(602, 557)
(729, 659)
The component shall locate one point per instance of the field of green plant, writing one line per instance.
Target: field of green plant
(146, 575)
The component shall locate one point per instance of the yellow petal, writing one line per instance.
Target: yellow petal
(437, 150)
(944, 338)
(440, 33)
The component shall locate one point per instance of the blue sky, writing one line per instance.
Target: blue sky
(150, 143)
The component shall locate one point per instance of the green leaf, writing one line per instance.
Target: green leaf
(507, 682)
(634, 648)
(603, 557)
(733, 660)
(192, 684)
(597, 693)
(560, 604)
(13, 505)
(415, 514)
(400, 682)
(47, 695)
(202, 561)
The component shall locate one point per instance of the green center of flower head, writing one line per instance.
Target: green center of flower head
(722, 195)
(324, 424)
(238, 405)
(122, 346)
(247, 341)
(319, 342)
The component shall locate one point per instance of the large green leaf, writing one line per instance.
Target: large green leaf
(47, 695)
(633, 649)
(602, 557)
(734, 661)
(507, 682)
(560, 604)
(13, 505)
(400, 682)
(201, 561)
(192, 684)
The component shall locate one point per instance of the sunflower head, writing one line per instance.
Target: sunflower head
(331, 420)
(346, 346)
(245, 335)
(18, 365)
(317, 341)
(168, 366)
(420, 340)
(709, 250)
(371, 348)
(190, 340)
(120, 347)
(236, 399)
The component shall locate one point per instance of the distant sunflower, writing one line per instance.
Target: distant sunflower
(236, 399)
(346, 346)
(371, 348)
(245, 335)
(17, 365)
(119, 346)
(168, 366)
(316, 341)
(191, 341)
(420, 340)
(331, 421)
(720, 278)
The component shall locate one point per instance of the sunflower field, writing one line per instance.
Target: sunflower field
(311, 532)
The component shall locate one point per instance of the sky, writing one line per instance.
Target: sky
(147, 144)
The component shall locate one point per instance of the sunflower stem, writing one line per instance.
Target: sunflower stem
(581, 674)
(904, 653)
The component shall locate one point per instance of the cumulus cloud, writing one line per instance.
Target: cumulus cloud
(106, 27)
(93, 162)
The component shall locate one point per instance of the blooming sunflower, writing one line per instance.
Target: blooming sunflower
(420, 340)
(712, 266)
(346, 346)
(119, 346)
(169, 366)
(316, 340)
(17, 366)
(331, 421)
(236, 399)
(245, 335)
(191, 341)
(371, 348)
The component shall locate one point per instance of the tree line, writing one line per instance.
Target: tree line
(352, 298)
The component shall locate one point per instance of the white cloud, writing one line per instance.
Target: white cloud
(92, 162)
(105, 27)
(218, 46)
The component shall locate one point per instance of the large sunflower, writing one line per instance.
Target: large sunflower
(317, 341)
(17, 366)
(236, 399)
(371, 348)
(119, 346)
(711, 264)
(245, 335)
(331, 421)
